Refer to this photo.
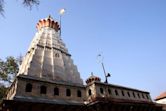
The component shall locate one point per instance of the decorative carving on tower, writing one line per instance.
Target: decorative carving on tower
(48, 22)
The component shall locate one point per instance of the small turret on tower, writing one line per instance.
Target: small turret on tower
(93, 78)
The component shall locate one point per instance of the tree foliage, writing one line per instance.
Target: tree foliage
(2, 92)
(1, 6)
(27, 3)
(30, 3)
(8, 69)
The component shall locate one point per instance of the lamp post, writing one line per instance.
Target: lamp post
(61, 12)
(100, 58)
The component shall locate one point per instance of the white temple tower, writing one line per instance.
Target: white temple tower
(47, 56)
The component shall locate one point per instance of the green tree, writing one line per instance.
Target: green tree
(8, 69)
(27, 3)
(2, 92)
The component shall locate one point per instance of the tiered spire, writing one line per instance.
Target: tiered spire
(47, 56)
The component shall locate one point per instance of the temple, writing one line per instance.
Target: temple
(48, 80)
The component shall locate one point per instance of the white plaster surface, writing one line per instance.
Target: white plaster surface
(47, 57)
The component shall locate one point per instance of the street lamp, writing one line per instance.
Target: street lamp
(61, 12)
(100, 59)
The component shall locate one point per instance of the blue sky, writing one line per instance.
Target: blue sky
(129, 33)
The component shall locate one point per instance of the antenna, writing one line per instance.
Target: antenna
(100, 59)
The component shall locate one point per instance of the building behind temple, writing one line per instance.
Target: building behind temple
(161, 99)
(48, 80)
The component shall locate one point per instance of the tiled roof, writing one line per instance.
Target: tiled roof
(161, 96)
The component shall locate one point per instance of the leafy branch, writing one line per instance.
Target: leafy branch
(27, 3)
(8, 69)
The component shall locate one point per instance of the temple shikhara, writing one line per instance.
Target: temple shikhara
(48, 80)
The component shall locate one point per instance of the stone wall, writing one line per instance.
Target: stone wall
(50, 92)
(106, 91)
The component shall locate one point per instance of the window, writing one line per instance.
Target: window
(28, 87)
(56, 91)
(143, 95)
(109, 91)
(128, 94)
(116, 92)
(89, 92)
(101, 90)
(123, 93)
(138, 95)
(147, 96)
(68, 92)
(133, 94)
(79, 93)
(43, 90)
(56, 55)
